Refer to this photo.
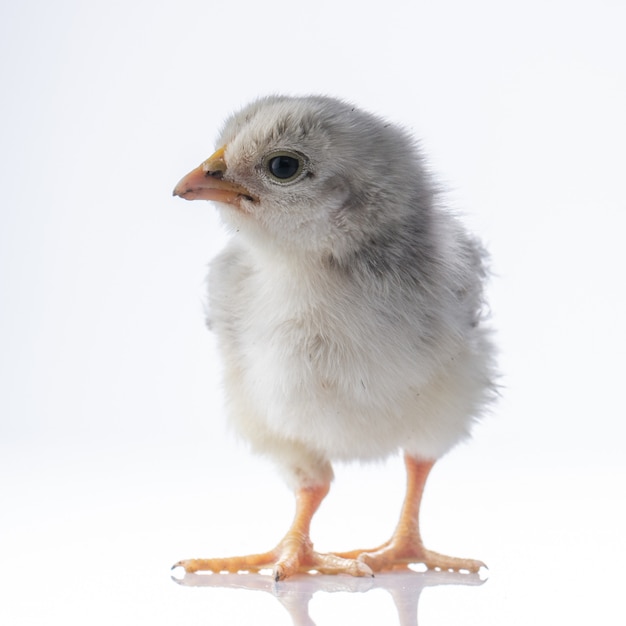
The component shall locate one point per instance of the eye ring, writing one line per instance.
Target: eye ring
(284, 166)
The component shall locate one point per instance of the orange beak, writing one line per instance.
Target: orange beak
(207, 182)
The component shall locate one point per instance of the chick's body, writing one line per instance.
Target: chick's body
(342, 363)
(347, 304)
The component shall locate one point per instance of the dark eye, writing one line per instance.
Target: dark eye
(284, 167)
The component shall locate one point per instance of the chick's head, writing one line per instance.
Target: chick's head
(310, 174)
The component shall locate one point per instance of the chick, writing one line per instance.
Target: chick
(347, 308)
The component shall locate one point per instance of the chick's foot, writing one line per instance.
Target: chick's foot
(292, 555)
(405, 546)
(400, 552)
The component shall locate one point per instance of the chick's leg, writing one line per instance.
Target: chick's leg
(405, 545)
(293, 554)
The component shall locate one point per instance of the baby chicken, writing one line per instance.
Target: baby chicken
(347, 308)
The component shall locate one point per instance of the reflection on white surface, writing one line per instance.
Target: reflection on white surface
(295, 594)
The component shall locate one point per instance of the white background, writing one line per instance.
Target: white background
(115, 456)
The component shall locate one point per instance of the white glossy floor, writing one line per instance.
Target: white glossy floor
(88, 536)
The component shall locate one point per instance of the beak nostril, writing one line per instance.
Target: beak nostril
(219, 174)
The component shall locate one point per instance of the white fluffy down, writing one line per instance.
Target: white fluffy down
(348, 303)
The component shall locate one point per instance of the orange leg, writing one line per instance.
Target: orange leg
(405, 545)
(293, 554)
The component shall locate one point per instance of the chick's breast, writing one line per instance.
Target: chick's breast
(348, 366)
